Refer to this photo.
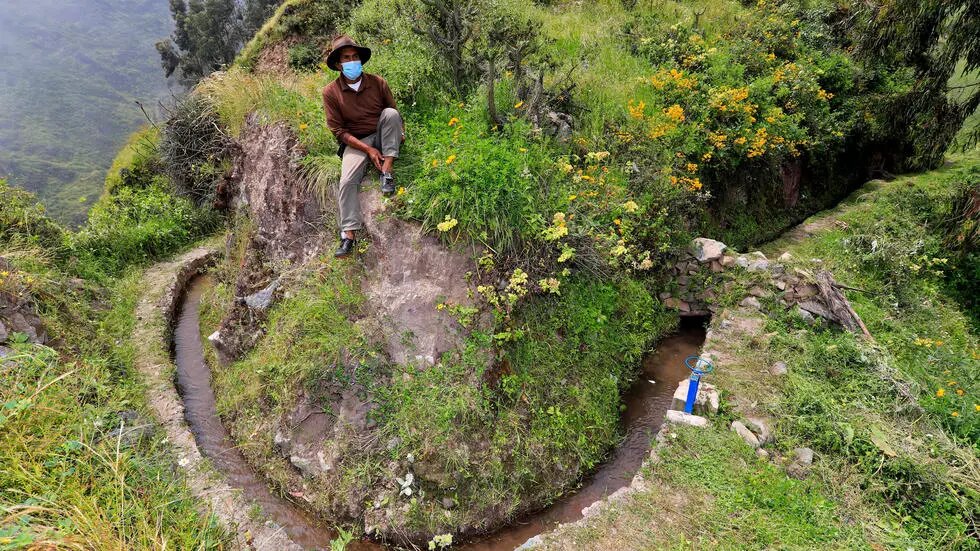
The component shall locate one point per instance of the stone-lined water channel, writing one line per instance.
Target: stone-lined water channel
(646, 403)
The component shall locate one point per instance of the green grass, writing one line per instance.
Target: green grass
(885, 474)
(66, 482)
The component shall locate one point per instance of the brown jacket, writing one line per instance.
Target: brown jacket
(355, 113)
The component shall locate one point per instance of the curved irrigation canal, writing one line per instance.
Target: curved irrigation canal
(646, 402)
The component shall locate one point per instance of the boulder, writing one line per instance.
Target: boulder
(263, 299)
(681, 418)
(800, 466)
(707, 400)
(760, 428)
(778, 369)
(746, 434)
(706, 250)
(758, 265)
(751, 302)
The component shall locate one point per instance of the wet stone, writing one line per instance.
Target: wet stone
(681, 418)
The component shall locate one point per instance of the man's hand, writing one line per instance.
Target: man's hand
(376, 157)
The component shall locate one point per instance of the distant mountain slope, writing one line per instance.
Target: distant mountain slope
(71, 70)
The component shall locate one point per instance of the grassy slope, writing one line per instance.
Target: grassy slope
(881, 478)
(66, 481)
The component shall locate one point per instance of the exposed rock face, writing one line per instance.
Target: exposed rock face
(18, 316)
(410, 275)
(267, 185)
(268, 182)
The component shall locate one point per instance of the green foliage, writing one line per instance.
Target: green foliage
(944, 44)
(314, 18)
(24, 222)
(772, 509)
(304, 57)
(140, 217)
(69, 480)
(209, 33)
(556, 400)
(133, 226)
(308, 334)
(490, 183)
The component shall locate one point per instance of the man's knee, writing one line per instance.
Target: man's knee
(390, 113)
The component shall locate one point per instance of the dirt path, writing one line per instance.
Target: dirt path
(155, 311)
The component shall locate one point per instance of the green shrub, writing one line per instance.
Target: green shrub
(305, 57)
(24, 222)
(481, 184)
(133, 226)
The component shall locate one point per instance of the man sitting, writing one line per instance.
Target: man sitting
(361, 113)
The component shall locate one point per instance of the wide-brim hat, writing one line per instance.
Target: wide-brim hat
(342, 42)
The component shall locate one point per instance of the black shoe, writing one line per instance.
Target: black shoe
(346, 247)
(387, 184)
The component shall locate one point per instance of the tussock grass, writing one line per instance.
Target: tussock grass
(67, 482)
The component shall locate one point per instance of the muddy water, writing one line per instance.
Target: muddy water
(194, 385)
(646, 403)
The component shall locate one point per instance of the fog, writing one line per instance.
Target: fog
(70, 71)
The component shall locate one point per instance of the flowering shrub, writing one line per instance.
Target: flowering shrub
(760, 95)
(481, 184)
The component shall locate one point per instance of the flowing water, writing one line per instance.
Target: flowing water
(646, 402)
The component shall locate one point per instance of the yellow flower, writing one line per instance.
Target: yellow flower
(401, 190)
(824, 95)
(618, 222)
(951, 383)
(450, 159)
(449, 224)
(675, 113)
(955, 414)
(960, 392)
(940, 393)
(636, 110)
(572, 197)
(303, 126)
(435, 163)
(630, 206)
(441, 306)
(740, 140)
(453, 121)
(522, 149)
(691, 167)
(976, 407)
(519, 104)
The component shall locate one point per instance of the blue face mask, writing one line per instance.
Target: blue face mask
(352, 69)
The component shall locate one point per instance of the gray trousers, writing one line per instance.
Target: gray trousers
(388, 139)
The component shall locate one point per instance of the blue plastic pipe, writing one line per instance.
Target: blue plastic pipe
(692, 393)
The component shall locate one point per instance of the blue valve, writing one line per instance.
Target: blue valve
(699, 366)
